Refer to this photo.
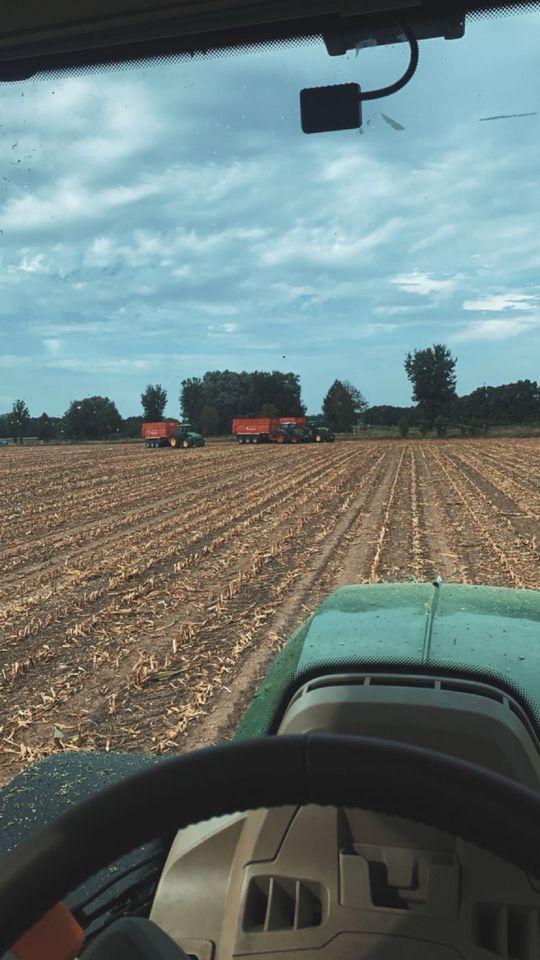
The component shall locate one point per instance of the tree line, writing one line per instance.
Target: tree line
(209, 403)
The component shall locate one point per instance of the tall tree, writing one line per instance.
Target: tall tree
(192, 400)
(433, 378)
(46, 429)
(131, 426)
(154, 401)
(19, 419)
(208, 421)
(93, 418)
(360, 404)
(338, 407)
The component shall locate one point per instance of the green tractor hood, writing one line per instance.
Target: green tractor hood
(489, 634)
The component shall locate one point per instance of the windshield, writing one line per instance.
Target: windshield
(173, 246)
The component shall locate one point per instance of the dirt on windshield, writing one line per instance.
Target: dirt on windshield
(144, 592)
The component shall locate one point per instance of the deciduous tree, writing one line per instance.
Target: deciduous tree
(208, 421)
(46, 429)
(433, 378)
(154, 401)
(338, 407)
(93, 418)
(19, 419)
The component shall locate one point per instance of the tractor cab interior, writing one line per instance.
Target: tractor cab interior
(376, 807)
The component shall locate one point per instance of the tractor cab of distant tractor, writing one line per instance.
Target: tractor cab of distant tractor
(319, 433)
(186, 437)
(290, 433)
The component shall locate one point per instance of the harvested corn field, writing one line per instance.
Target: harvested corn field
(143, 591)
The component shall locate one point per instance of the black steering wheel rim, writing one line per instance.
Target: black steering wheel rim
(436, 789)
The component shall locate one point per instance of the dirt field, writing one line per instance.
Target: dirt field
(144, 591)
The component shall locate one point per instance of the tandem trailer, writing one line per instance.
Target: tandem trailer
(170, 433)
(279, 430)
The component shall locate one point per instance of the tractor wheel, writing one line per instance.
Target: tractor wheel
(317, 438)
(185, 444)
(173, 442)
(294, 438)
(280, 438)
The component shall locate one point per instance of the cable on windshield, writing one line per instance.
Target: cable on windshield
(339, 107)
(408, 75)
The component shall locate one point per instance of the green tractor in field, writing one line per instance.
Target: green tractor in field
(317, 431)
(290, 433)
(185, 437)
(381, 799)
(319, 434)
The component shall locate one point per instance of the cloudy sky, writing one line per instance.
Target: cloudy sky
(160, 222)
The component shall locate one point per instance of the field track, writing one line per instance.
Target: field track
(144, 591)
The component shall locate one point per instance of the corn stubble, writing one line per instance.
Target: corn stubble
(136, 583)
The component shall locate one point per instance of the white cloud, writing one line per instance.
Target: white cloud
(15, 360)
(35, 264)
(494, 329)
(291, 292)
(53, 345)
(223, 328)
(113, 365)
(52, 329)
(444, 232)
(511, 300)
(395, 311)
(330, 245)
(219, 309)
(68, 200)
(424, 284)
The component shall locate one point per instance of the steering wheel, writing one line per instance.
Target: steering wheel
(435, 789)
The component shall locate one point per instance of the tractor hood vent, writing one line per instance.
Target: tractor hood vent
(507, 931)
(281, 903)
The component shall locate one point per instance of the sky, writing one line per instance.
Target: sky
(162, 221)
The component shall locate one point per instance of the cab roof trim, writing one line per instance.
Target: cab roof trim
(37, 37)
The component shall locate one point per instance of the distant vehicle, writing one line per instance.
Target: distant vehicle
(279, 430)
(318, 433)
(269, 429)
(4, 443)
(171, 433)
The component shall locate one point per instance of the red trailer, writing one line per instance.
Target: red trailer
(269, 429)
(158, 434)
(170, 433)
(254, 429)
